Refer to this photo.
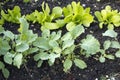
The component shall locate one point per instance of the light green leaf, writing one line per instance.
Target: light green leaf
(9, 34)
(110, 27)
(44, 56)
(18, 60)
(102, 59)
(110, 33)
(79, 29)
(8, 58)
(42, 43)
(93, 47)
(69, 50)
(66, 36)
(52, 57)
(39, 63)
(70, 26)
(53, 43)
(80, 63)
(117, 54)
(115, 44)
(110, 56)
(107, 44)
(67, 65)
(22, 47)
(5, 72)
(51, 26)
(1, 65)
(57, 11)
(67, 43)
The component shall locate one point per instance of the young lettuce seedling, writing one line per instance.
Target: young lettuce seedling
(75, 14)
(108, 17)
(46, 17)
(12, 15)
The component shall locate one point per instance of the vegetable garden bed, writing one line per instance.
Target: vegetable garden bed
(60, 40)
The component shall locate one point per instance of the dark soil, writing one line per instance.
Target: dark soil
(94, 70)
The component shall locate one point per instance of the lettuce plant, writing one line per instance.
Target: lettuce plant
(12, 15)
(75, 14)
(108, 17)
(46, 17)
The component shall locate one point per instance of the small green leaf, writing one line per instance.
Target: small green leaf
(5, 72)
(51, 26)
(102, 59)
(110, 56)
(39, 63)
(8, 58)
(66, 36)
(110, 33)
(117, 54)
(18, 60)
(1, 65)
(70, 26)
(57, 11)
(67, 65)
(107, 44)
(80, 63)
(110, 26)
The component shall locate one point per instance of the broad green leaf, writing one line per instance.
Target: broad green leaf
(5, 72)
(1, 65)
(117, 54)
(107, 44)
(67, 65)
(102, 59)
(42, 43)
(80, 63)
(79, 29)
(22, 47)
(110, 56)
(110, 33)
(9, 34)
(93, 47)
(67, 43)
(18, 60)
(115, 44)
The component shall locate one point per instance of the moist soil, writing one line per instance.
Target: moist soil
(95, 69)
